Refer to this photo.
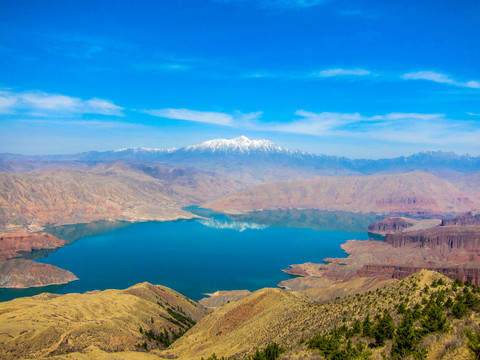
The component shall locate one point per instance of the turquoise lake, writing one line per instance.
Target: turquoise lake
(192, 257)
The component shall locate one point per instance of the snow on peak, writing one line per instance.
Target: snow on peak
(136, 150)
(240, 144)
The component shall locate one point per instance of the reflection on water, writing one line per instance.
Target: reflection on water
(226, 223)
(197, 256)
(312, 219)
(72, 233)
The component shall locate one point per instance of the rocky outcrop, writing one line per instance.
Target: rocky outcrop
(462, 220)
(391, 225)
(23, 273)
(12, 243)
(469, 272)
(453, 251)
(454, 237)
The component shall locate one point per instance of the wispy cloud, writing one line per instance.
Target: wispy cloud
(236, 119)
(328, 73)
(39, 103)
(342, 72)
(440, 78)
(281, 4)
(412, 128)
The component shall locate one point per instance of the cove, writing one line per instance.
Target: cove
(192, 257)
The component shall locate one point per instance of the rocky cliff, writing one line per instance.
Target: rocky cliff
(463, 220)
(391, 225)
(469, 272)
(454, 237)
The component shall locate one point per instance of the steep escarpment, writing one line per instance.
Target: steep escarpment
(391, 225)
(141, 317)
(468, 272)
(454, 237)
(463, 220)
(415, 192)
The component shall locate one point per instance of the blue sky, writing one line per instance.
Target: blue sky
(344, 77)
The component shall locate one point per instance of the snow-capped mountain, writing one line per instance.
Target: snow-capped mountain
(240, 154)
(240, 145)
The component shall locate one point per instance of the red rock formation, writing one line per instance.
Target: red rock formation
(391, 225)
(11, 243)
(468, 272)
(455, 237)
(23, 273)
(463, 220)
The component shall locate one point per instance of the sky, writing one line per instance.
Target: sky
(355, 78)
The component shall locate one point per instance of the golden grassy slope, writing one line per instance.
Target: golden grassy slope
(105, 325)
(272, 315)
(50, 324)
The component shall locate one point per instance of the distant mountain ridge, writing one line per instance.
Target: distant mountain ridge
(261, 159)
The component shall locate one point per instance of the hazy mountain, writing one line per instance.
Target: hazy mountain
(414, 192)
(249, 161)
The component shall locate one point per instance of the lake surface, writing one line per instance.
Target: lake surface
(192, 257)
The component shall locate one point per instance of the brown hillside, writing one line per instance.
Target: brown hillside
(107, 192)
(412, 192)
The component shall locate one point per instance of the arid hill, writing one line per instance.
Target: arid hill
(21, 273)
(106, 192)
(49, 324)
(414, 192)
(12, 243)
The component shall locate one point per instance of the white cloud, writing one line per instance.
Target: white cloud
(342, 72)
(440, 78)
(398, 127)
(318, 123)
(236, 119)
(39, 103)
(328, 123)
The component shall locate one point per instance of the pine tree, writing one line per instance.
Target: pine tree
(405, 339)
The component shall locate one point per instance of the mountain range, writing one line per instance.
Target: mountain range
(225, 154)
